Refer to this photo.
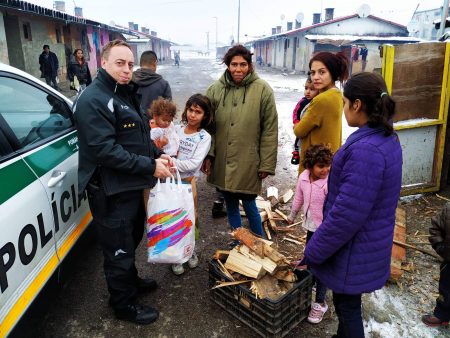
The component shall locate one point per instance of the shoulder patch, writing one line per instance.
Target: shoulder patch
(111, 105)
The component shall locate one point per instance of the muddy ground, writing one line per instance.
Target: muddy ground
(75, 301)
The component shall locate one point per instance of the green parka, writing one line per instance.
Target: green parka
(246, 137)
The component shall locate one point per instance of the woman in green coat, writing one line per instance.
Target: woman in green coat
(244, 148)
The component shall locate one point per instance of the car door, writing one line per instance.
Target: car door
(41, 216)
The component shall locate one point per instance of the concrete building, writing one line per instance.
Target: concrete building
(292, 49)
(423, 24)
(25, 28)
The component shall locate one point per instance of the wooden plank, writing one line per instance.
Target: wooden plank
(283, 216)
(221, 284)
(398, 251)
(225, 271)
(262, 204)
(267, 263)
(266, 230)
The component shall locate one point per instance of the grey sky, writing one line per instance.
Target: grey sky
(187, 21)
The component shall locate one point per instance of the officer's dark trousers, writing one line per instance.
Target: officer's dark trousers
(119, 220)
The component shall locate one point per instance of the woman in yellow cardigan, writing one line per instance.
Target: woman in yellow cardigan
(322, 122)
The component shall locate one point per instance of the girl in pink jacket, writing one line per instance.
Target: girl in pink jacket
(310, 194)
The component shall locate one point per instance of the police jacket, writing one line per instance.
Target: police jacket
(113, 137)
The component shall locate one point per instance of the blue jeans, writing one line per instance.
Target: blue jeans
(348, 310)
(234, 216)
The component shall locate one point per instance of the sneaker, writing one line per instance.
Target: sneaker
(177, 269)
(295, 157)
(193, 261)
(433, 321)
(316, 314)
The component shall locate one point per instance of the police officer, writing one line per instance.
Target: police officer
(117, 160)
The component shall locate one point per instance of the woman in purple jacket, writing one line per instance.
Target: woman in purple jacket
(351, 250)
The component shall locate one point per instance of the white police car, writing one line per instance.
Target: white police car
(41, 216)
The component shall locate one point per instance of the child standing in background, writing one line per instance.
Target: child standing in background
(440, 241)
(298, 113)
(310, 194)
(195, 141)
(163, 134)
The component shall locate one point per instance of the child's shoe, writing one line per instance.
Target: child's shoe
(295, 157)
(193, 261)
(433, 321)
(177, 269)
(317, 311)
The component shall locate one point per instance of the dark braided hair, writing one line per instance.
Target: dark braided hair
(317, 154)
(376, 102)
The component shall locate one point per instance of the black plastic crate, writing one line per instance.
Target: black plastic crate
(268, 318)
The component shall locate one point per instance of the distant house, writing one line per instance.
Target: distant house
(292, 50)
(144, 40)
(425, 24)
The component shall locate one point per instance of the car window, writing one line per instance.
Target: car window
(29, 114)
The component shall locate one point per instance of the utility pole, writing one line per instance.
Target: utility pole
(207, 41)
(215, 17)
(443, 19)
(239, 20)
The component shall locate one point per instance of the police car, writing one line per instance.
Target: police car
(41, 214)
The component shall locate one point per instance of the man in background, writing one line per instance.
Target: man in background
(48, 64)
(151, 85)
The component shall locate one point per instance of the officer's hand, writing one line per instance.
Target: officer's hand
(169, 159)
(162, 168)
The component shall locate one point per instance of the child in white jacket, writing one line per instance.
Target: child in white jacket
(195, 141)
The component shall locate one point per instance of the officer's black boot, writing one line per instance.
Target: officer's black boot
(139, 314)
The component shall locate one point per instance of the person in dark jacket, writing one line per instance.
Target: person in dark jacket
(48, 65)
(78, 67)
(117, 160)
(151, 85)
(440, 241)
(351, 250)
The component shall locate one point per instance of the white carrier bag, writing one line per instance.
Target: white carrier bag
(170, 222)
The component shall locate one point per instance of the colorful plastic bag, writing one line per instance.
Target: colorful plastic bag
(170, 222)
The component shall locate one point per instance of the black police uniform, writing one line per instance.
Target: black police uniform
(116, 162)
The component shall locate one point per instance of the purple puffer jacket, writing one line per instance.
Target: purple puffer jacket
(351, 250)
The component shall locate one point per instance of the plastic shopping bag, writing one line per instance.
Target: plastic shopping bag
(170, 222)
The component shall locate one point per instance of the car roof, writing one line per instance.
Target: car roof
(9, 69)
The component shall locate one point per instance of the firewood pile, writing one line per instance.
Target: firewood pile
(267, 273)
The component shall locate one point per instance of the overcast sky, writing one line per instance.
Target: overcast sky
(188, 21)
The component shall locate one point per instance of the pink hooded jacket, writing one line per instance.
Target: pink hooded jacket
(310, 196)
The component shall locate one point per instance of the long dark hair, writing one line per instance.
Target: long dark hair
(336, 64)
(75, 54)
(203, 102)
(376, 102)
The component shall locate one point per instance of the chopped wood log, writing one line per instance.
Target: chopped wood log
(284, 229)
(225, 271)
(263, 215)
(418, 249)
(272, 196)
(221, 255)
(266, 287)
(267, 263)
(285, 286)
(287, 196)
(269, 212)
(294, 224)
(283, 216)
(239, 263)
(266, 230)
(262, 204)
(286, 275)
(221, 284)
(292, 241)
(259, 246)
